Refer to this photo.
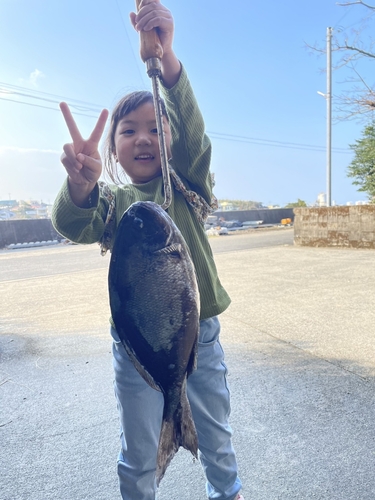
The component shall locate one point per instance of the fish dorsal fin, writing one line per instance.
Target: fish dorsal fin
(175, 248)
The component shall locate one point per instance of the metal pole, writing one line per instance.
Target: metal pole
(329, 114)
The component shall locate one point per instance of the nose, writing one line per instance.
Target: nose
(143, 138)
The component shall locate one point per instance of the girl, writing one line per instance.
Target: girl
(85, 213)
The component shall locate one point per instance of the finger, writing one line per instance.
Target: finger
(162, 22)
(70, 157)
(153, 18)
(71, 168)
(71, 124)
(132, 16)
(69, 151)
(142, 3)
(146, 8)
(97, 133)
(91, 163)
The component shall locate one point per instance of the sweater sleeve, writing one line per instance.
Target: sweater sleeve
(81, 225)
(191, 147)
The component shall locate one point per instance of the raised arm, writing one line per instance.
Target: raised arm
(191, 148)
(152, 14)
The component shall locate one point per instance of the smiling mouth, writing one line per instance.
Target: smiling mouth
(144, 157)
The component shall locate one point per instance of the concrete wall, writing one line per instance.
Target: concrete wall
(30, 231)
(26, 231)
(268, 216)
(352, 226)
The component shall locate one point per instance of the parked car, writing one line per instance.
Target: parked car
(230, 223)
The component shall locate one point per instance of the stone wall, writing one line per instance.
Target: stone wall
(351, 226)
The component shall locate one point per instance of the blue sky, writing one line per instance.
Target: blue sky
(250, 68)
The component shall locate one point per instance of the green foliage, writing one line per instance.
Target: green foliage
(362, 168)
(298, 203)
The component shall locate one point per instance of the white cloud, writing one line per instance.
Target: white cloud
(34, 78)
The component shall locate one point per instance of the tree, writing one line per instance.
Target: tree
(356, 47)
(242, 204)
(298, 203)
(362, 168)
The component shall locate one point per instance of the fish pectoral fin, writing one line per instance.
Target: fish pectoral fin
(147, 377)
(140, 368)
(193, 360)
(174, 249)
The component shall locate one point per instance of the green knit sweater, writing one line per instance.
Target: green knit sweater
(191, 153)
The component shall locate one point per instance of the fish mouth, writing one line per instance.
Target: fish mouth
(175, 249)
(151, 219)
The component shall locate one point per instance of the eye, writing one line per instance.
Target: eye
(154, 131)
(128, 131)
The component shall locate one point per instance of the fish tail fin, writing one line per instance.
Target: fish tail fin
(168, 446)
(175, 432)
(188, 436)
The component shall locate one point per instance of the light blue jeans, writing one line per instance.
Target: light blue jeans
(141, 409)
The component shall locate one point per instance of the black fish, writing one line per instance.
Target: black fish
(154, 303)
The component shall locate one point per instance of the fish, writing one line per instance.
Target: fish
(155, 306)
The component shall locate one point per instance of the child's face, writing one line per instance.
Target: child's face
(137, 146)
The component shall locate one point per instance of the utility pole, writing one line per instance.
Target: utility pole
(329, 113)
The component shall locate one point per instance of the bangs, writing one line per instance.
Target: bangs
(130, 103)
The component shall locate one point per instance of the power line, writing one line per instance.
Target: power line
(273, 143)
(342, 17)
(24, 91)
(44, 107)
(79, 106)
(75, 104)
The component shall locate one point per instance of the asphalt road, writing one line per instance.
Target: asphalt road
(252, 238)
(300, 347)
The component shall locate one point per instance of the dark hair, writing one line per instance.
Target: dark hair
(126, 105)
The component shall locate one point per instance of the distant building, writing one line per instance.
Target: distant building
(321, 200)
(42, 212)
(225, 206)
(6, 214)
(8, 203)
(31, 214)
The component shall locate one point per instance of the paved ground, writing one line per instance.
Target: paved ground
(300, 346)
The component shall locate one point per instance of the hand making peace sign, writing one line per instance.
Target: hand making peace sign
(81, 158)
